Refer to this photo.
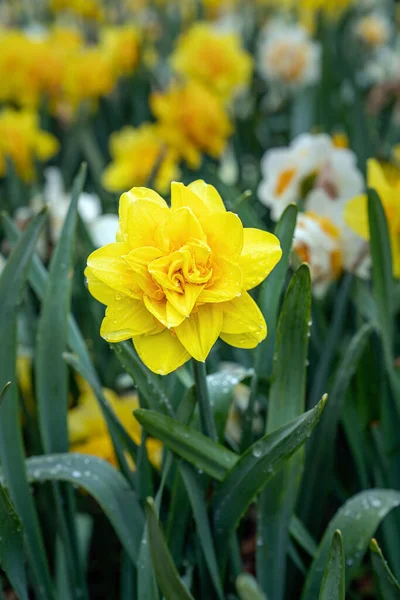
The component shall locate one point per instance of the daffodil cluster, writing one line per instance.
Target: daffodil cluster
(58, 66)
(209, 68)
(322, 178)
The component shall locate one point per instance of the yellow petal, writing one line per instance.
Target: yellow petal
(356, 216)
(139, 260)
(184, 196)
(185, 301)
(224, 233)
(154, 452)
(99, 290)
(261, 252)
(200, 331)
(162, 353)
(182, 227)
(164, 312)
(242, 315)
(107, 264)
(395, 246)
(241, 340)
(125, 318)
(117, 176)
(376, 176)
(227, 285)
(141, 213)
(208, 194)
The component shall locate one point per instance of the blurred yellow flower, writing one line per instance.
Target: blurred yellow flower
(87, 9)
(135, 154)
(122, 47)
(22, 141)
(356, 211)
(192, 120)
(88, 431)
(177, 278)
(55, 65)
(214, 58)
(88, 76)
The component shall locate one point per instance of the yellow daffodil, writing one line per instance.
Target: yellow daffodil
(356, 211)
(88, 431)
(135, 154)
(193, 120)
(178, 278)
(88, 76)
(122, 47)
(214, 58)
(22, 141)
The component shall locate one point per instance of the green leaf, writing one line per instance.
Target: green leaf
(4, 391)
(188, 443)
(302, 536)
(357, 519)
(320, 451)
(12, 559)
(51, 370)
(333, 583)
(51, 376)
(286, 402)
(383, 283)
(167, 576)
(149, 384)
(271, 291)
(386, 585)
(12, 457)
(382, 269)
(195, 494)
(248, 588)
(38, 280)
(253, 470)
(332, 340)
(99, 479)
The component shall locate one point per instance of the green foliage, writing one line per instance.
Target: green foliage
(333, 582)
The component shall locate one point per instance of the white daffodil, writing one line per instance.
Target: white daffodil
(287, 56)
(317, 242)
(285, 171)
(373, 30)
(383, 67)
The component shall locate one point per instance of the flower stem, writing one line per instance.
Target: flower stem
(206, 415)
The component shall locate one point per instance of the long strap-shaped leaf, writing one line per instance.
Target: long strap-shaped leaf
(320, 450)
(167, 576)
(11, 445)
(38, 280)
(333, 583)
(102, 481)
(51, 370)
(286, 402)
(357, 520)
(188, 443)
(12, 558)
(387, 586)
(52, 377)
(383, 286)
(269, 299)
(254, 469)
